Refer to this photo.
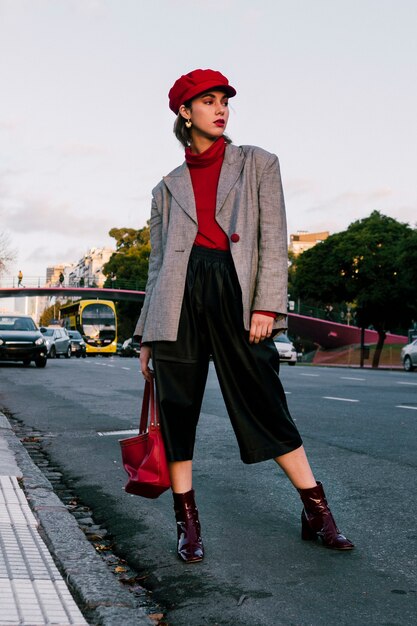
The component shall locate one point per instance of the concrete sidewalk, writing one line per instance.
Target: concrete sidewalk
(40, 542)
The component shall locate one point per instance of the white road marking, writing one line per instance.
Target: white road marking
(404, 383)
(341, 399)
(126, 368)
(117, 432)
(404, 406)
(351, 378)
(315, 375)
(288, 393)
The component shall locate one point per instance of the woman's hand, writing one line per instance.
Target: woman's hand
(260, 327)
(145, 356)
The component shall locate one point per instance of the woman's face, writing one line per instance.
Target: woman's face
(209, 114)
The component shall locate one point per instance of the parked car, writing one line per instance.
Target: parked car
(78, 347)
(287, 352)
(409, 356)
(130, 348)
(57, 341)
(21, 340)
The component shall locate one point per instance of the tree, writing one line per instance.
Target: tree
(51, 313)
(368, 264)
(7, 255)
(130, 261)
(127, 268)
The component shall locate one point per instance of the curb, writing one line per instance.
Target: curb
(104, 600)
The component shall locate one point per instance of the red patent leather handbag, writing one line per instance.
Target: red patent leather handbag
(143, 456)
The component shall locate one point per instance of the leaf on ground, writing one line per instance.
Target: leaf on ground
(119, 569)
(101, 547)
(128, 580)
(93, 536)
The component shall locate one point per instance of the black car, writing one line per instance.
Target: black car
(78, 347)
(130, 348)
(21, 340)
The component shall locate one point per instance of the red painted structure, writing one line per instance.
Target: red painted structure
(329, 334)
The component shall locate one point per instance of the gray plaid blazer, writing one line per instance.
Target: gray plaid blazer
(250, 204)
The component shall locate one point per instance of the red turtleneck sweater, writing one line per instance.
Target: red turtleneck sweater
(205, 172)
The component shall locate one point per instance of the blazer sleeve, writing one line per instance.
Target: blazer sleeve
(155, 262)
(272, 274)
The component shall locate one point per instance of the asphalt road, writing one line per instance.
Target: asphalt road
(359, 428)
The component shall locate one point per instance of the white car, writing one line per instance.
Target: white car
(287, 352)
(409, 356)
(57, 342)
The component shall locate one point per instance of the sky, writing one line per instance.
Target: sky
(86, 133)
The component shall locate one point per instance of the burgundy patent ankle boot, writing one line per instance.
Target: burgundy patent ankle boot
(317, 521)
(190, 544)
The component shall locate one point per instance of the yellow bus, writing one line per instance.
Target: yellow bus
(96, 320)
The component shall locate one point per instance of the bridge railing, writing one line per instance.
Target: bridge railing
(7, 282)
(40, 281)
(331, 314)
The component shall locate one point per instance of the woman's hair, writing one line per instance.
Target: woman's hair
(182, 133)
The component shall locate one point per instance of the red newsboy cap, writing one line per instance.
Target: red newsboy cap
(195, 82)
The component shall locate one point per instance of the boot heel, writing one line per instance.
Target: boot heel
(317, 515)
(307, 534)
(190, 545)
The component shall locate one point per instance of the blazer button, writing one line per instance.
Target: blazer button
(235, 237)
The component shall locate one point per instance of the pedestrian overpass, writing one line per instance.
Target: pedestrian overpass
(74, 292)
(325, 333)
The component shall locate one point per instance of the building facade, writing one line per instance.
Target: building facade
(88, 272)
(304, 240)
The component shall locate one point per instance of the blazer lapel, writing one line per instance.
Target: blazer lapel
(234, 159)
(180, 186)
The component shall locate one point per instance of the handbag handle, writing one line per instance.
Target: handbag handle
(148, 397)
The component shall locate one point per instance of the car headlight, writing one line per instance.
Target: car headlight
(40, 341)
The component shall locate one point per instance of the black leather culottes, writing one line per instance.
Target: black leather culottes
(211, 324)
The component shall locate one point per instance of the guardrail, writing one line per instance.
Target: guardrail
(40, 281)
(331, 314)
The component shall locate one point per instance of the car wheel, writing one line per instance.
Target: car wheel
(68, 353)
(408, 365)
(26, 362)
(40, 362)
(291, 363)
(78, 356)
(84, 355)
(52, 352)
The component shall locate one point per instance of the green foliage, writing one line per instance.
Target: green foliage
(127, 268)
(372, 264)
(292, 265)
(48, 315)
(51, 313)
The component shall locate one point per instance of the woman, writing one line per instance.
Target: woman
(217, 286)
